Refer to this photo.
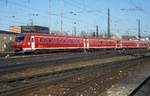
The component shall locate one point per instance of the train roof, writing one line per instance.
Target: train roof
(42, 34)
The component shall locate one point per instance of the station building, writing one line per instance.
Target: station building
(5, 37)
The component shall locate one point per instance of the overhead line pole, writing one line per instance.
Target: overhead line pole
(139, 29)
(50, 16)
(62, 9)
(108, 24)
(97, 31)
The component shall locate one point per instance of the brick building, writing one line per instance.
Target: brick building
(5, 37)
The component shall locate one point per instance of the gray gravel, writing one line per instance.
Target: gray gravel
(127, 85)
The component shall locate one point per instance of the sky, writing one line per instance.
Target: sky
(83, 15)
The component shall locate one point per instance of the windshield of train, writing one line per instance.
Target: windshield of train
(19, 39)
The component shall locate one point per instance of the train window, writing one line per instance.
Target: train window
(72, 41)
(99, 42)
(32, 40)
(28, 39)
(109, 42)
(105, 42)
(50, 40)
(41, 40)
(79, 41)
(57, 40)
(19, 39)
(54, 40)
(67, 40)
(47, 40)
(96, 41)
(61, 40)
(76, 41)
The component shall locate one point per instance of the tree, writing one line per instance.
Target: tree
(8, 47)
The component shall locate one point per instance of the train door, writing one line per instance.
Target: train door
(137, 45)
(120, 44)
(116, 45)
(86, 43)
(32, 42)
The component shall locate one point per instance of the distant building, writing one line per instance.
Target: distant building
(29, 29)
(34, 29)
(129, 37)
(144, 38)
(5, 37)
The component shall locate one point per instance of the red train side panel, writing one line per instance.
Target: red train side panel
(31, 42)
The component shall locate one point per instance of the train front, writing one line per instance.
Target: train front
(19, 44)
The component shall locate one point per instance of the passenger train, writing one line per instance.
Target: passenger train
(30, 42)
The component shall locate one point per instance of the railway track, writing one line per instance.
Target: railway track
(72, 81)
(30, 57)
(53, 61)
(92, 85)
(33, 82)
(13, 54)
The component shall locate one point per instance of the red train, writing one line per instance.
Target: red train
(32, 42)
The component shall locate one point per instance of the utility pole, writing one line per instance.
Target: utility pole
(50, 16)
(97, 33)
(62, 9)
(75, 30)
(108, 24)
(139, 29)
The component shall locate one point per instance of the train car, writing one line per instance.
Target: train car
(143, 44)
(31, 42)
(131, 44)
(101, 43)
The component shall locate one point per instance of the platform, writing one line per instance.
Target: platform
(126, 86)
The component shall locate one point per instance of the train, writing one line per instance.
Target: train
(30, 42)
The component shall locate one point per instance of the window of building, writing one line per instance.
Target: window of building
(10, 38)
(5, 37)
